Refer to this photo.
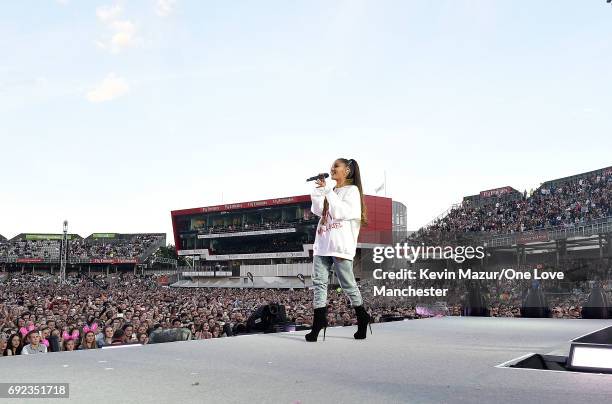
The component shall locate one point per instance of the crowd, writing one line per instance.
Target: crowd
(504, 298)
(108, 248)
(571, 203)
(23, 248)
(89, 313)
(89, 248)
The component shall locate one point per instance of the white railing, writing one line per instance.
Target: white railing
(599, 226)
(163, 260)
(251, 227)
(208, 273)
(277, 269)
(248, 233)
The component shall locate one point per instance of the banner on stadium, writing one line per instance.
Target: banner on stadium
(496, 192)
(28, 260)
(193, 252)
(526, 238)
(247, 233)
(254, 204)
(245, 205)
(228, 257)
(46, 236)
(103, 235)
(113, 261)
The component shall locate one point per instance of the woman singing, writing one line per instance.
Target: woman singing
(342, 212)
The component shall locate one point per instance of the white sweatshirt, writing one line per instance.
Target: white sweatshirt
(337, 237)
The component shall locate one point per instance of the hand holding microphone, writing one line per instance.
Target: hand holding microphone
(319, 179)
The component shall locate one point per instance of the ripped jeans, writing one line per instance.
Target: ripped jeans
(346, 278)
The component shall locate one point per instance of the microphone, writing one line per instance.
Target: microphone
(316, 177)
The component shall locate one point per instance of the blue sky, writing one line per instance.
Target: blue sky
(113, 113)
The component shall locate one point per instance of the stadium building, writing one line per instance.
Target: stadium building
(98, 253)
(268, 243)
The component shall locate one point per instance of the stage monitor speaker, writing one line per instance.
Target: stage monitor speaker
(475, 304)
(279, 315)
(533, 362)
(390, 317)
(54, 344)
(596, 306)
(170, 335)
(534, 305)
(265, 317)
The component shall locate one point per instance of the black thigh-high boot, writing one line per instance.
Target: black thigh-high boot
(319, 322)
(363, 321)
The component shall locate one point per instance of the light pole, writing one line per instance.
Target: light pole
(64, 253)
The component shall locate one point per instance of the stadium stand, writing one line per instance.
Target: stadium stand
(44, 248)
(568, 202)
(563, 225)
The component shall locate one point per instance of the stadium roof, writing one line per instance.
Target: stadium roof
(244, 205)
(44, 236)
(605, 170)
(250, 205)
(58, 236)
(506, 189)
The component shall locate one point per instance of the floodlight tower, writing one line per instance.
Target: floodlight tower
(64, 253)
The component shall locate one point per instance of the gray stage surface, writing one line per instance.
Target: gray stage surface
(450, 359)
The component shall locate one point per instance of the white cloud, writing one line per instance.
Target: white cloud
(62, 2)
(123, 32)
(124, 35)
(110, 88)
(164, 8)
(107, 14)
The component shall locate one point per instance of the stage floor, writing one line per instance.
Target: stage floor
(450, 359)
